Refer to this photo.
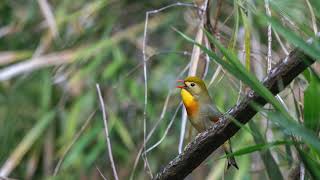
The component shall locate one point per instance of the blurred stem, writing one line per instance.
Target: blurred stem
(48, 151)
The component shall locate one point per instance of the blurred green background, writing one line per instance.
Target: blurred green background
(52, 54)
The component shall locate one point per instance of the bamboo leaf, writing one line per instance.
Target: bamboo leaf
(247, 40)
(312, 104)
(311, 165)
(293, 127)
(237, 69)
(257, 147)
(309, 48)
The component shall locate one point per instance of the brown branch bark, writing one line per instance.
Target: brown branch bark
(207, 142)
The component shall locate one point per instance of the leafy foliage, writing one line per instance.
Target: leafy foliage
(51, 63)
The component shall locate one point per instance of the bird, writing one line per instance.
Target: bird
(202, 112)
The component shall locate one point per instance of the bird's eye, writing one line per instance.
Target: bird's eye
(192, 84)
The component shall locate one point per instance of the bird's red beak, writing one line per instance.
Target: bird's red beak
(181, 81)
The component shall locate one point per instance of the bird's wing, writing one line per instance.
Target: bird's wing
(209, 114)
(213, 112)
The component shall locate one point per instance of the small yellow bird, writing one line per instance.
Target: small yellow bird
(201, 111)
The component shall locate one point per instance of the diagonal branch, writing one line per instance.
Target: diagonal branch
(207, 142)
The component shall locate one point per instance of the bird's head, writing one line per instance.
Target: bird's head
(195, 86)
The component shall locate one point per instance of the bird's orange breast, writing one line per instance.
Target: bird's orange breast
(192, 105)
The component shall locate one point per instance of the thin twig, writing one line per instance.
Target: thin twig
(135, 164)
(296, 104)
(145, 90)
(207, 63)
(101, 174)
(183, 130)
(48, 15)
(282, 102)
(313, 18)
(164, 110)
(166, 131)
(268, 131)
(283, 47)
(128, 74)
(216, 17)
(194, 64)
(215, 75)
(144, 44)
(76, 137)
(105, 117)
(269, 56)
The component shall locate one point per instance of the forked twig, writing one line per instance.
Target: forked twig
(164, 109)
(166, 131)
(148, 13)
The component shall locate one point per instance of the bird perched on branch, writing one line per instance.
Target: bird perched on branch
(202, 112)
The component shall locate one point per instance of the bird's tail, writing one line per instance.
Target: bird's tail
(231, 160)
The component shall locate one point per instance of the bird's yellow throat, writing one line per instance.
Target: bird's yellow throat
(192, 106)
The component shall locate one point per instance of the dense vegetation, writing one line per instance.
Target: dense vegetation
(53, 53)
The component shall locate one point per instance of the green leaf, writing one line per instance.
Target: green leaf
(75, 116)
(234, 66)
(293, 127)
(312, 104)
(113, 67)
(25, 145)
(78, 149)
(257, 147)
(247, 40)
(312, 49)
(311, 165)
(95, 151)
(46, 91)
(123, 132)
